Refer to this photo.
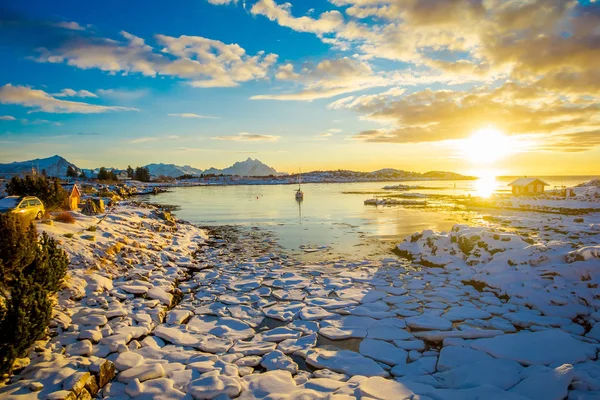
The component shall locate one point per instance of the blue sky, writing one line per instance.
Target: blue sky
(361, 84)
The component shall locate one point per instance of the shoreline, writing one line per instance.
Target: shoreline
(175, 309)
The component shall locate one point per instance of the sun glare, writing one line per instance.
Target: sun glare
(487, 146)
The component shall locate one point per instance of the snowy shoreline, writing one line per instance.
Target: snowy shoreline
(510, 310)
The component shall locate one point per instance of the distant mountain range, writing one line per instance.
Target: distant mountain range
(57, 166)
(249, 167)
(172, 170)
(53, 166)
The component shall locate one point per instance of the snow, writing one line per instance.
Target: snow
(506, 316)
(532, 348)
(344, 361)
(428, 321)
(550, 385)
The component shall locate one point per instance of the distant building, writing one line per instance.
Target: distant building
(527, 186)
(123, 176)
(73, 198)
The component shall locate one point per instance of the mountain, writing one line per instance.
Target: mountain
(54, 166)
(172, 170)
(249, 167)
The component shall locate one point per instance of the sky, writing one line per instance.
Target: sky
(471, 86)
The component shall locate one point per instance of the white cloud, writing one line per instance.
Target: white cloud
(143, 140)
(41, 101)
(7, 118)
(222, 2)
(328, 21)
(123, 94)
(248, 137)
(327, 79)
(191, 115)
(200, 61)
(74, 93)
(70, 25)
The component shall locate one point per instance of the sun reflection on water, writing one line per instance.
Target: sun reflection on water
(486, 185)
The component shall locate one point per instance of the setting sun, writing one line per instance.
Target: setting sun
(487, 146)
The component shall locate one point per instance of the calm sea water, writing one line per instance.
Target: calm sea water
(331, 214)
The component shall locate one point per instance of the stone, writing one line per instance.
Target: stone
(382, 351)
(127, 360)
(142, 372)
(537, 348)
(76, 382)
(82, 348)
(381, 388)
(277, 360)
(548, 385)
(35, 386)
(211, 386)
(62, 395)
(344, 361)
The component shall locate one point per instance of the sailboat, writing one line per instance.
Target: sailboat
(299, 192)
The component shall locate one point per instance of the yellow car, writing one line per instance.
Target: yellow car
(28, 206)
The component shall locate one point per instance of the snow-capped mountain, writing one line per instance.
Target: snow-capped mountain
(54, 166)
(249, 167)
(172, 170)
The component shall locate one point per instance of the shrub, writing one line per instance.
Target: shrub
(69, 235)
(32, 272)
(65, 217)
(92, 228)
(48, 190)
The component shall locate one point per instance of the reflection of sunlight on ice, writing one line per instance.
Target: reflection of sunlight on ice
(486, 185)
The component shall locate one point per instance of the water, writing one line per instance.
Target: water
(331, 214)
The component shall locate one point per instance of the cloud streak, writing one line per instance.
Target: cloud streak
(40, 101)
(192, 115)
(200, 61)
(248, 137)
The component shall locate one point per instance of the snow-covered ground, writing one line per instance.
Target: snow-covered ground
(509, 310)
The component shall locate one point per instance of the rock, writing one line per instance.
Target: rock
(276, 360)
(382, 351)
(82, 348)
(20, 363)
(502, 374)
(93, 335)
(461, 313)
(537, 348)
(35, 386)
(211, 386)
(344, 361)
(62, 395)
(91, 385)
(104, 370)
(271, 383)
(142, 372)
(429, 322)
(455, 356)
(128, 360)
(176, 336)
(439, 336)
(381, 388)
(421, 366)
(549, 385)
(253, 348)
(84, 395)
(76, 382)
(159, 294)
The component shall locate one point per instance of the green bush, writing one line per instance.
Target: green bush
(32, 271)
(49, 190)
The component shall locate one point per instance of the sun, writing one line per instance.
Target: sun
(486, 146)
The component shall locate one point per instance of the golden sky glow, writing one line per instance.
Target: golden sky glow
(467, 86)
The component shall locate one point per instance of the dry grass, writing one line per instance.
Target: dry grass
(65, 217)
